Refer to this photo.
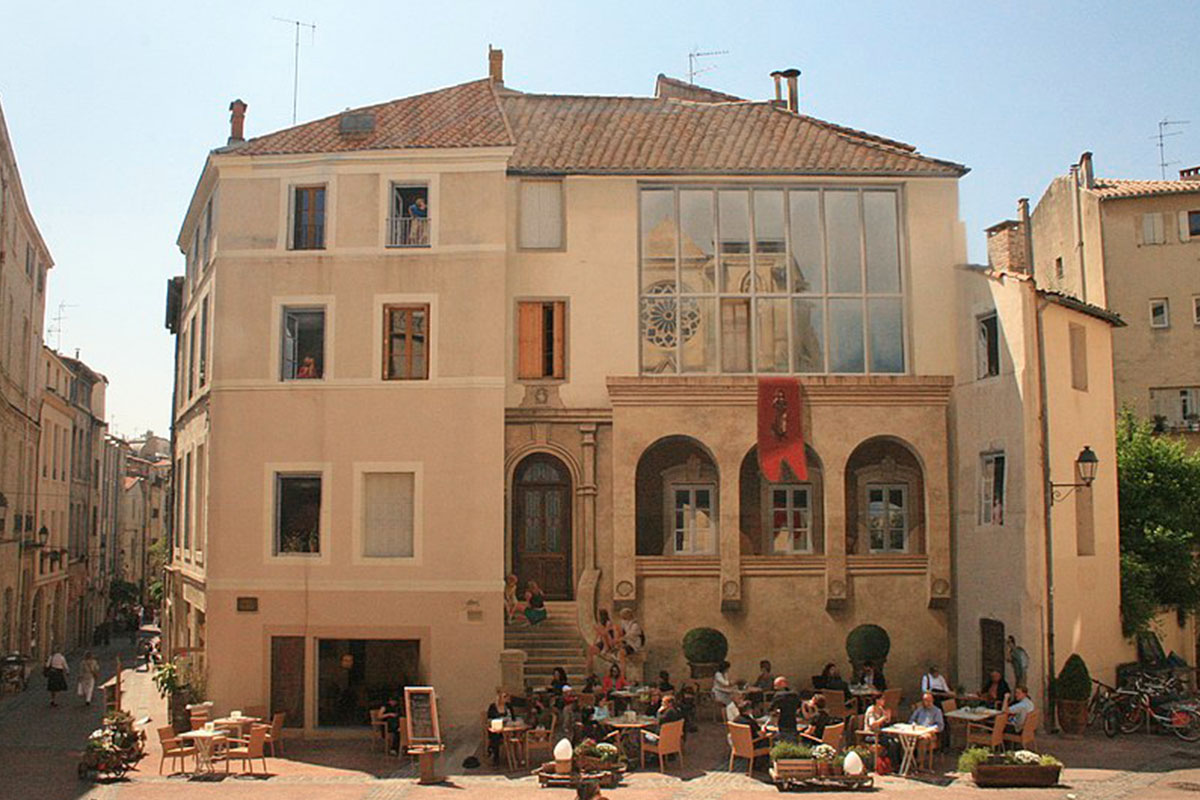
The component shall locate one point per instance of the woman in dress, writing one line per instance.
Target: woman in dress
(56, 675)
(723, 688)
(535, 603)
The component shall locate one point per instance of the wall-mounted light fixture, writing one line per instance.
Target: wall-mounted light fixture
(1086, 464)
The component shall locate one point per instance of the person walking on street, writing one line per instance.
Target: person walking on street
(89, 673)
(56, 675)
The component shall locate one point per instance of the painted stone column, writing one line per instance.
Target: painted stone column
(729, 545)
(836, 582)
(589, 576)
(937, 522)
(626, 451)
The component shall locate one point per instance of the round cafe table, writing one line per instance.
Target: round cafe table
(242, 724)
(623, 725)
(204, 740)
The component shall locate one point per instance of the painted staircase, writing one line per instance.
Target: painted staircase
(552, 643)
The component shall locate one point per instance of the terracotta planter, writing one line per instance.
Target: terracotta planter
(1072, 716)
(998, 775)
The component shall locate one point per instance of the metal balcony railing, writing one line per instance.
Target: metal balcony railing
(408, 231)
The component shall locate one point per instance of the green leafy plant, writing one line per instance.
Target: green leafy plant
(868, 643)
(1047, 760)
(1073, 682)
(167, 679)
(973, 757)
(705, 646)
(786, 750)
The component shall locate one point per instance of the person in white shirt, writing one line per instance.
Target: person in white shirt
(723, 689)
(1018, 711)
(56, 675)
(935, 683)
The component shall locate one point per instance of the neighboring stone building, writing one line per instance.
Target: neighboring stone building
(402, 324)
(1134, 247)
(145, 484)
(54, 507)
(24, 264)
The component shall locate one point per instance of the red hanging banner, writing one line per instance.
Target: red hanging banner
(780, 431)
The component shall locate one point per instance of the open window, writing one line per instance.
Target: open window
(991, 490)
(408, 221)
(303, 340)
(988, 346)
(541, 339)
(297, 514)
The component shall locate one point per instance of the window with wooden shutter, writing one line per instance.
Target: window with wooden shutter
(308, 218)
(406, 342)
(541, 341)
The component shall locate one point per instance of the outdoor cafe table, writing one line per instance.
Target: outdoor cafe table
(242, 724)
(862, 694)
(969, 714)
(909, 735)
(623, 725)
(642, 695)
(514, 741)
(205, 741)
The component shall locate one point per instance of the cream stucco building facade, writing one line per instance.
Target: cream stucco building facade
(475, 332)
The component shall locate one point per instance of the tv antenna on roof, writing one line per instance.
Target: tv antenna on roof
(312, 26)
(696, 55)
(56, 327)
(1163, 124)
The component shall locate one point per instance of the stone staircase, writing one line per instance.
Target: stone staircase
(549, 644)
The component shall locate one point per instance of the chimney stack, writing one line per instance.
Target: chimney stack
(496, 65)
(778, 88)
(1087, 178)
(237, 122)
(793, 88)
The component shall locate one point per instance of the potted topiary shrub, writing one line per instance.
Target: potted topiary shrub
(704, 649)
(868, 643)
(1072, 689)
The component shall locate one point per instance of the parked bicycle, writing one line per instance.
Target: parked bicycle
(1101, 698)
(1135, 707)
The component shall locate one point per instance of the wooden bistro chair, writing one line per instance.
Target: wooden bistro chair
(990, 736)
(514, 749)
(174, 749)
(1027, 738)
(835, 703)
(198, 717)
(741, 745)
(250, 749)
(275, 734)
(540, 740)
(378, 728)
(256, 711)
(892, 698)
(669, 742)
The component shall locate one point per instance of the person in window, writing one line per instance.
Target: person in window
(1019, 710)
(500, 709)
(308, 368)
(418, 213)
(872, 677)
(603, 640)
(785, 705)
(535, 603)
(935, 683)
(995, 689)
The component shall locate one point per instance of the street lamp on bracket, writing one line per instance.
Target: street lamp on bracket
(1086, 464)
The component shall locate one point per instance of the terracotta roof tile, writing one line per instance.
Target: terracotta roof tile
(1114, 189)
(466, 115)
(559, 134)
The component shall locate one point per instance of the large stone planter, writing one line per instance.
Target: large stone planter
(703, 669)
(998, 775)
(1072, 716)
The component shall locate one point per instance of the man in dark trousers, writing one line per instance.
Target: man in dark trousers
(785, 705)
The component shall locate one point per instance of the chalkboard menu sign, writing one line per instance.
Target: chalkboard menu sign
(420, 703)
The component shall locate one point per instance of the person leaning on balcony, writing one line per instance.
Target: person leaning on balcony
(535, 603)
(1019, 710)
(418, 213)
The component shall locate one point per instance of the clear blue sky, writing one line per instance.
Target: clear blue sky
(113, 106)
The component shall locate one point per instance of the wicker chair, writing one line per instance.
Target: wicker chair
(991, 736)
(173, 748)
(1027, 738)
(668, 742)
(275, 734)
(250, 749)
(743, 745)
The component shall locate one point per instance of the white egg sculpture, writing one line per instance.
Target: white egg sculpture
(563, 750)
(853, 764)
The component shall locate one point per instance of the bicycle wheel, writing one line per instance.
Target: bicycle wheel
(1187, 729)
(1132, 717)
(1093, 709)
(1110, 718)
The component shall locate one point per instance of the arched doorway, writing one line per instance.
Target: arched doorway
(541, 525)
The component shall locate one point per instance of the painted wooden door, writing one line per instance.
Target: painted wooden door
(541, 526)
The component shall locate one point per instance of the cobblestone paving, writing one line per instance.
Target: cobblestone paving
(39, 750)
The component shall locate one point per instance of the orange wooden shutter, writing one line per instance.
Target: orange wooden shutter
(559, 340)
(529, 340)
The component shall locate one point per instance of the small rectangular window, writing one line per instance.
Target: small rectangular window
(1079, 365)
(204, 342)
(308, 218)
(1160, 313)
(991, 490)
(406, 342)
(1196, 310)
(693, 519)
(408, 223)
(1058, 268)
(297, 513)
(30, 258)
(41, 278)
(303, 338)
(208, 226)
(388, 514)
(988, 347)
(1152, 228)
(791, 518)
(541, 330)
(1085, 522)
(541, 214)
(1193, 224)
(887, 517)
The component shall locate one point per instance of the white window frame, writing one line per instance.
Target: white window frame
(690, 531)
(887, 488)
(983, 368)
(274, 357)
(306, 179)
(788, 509)
(358, 533)
(271, 471)
(987, 499)
(429, 215)
(1166, 308)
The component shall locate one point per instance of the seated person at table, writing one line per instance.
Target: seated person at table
(745, 716)
(685, 701)
(614, 681)
(928, 714)
(590, 683)
(878, 717)
(1019, 710)
(664, 682)
(995, 689)
(819, 718)
(872, 677)
(830, 678)
(785, 705)
(935, 682)
(765, 679)
(558, 679)
(540, 715)
(500, 708)
(723, 688)
(591, 721)
(667, 712)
